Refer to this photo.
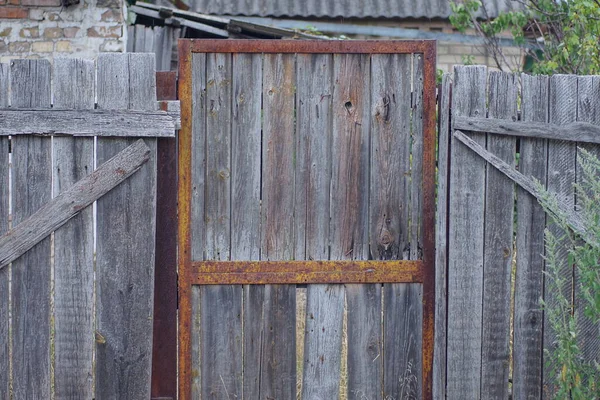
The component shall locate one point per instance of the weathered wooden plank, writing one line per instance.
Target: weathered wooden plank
(125, 241)
(588, 110)
(573, 131)
(416, 167)
(88, 122)
(71, 202)
(349, 219)
(465, 243)
(572, 219)
(390, 218)
(140, 38)
(4, 274)
(560, 178)
(498, 244)
(531, 222)
(73, 159)
(130, 38)
(31, 274)
(246, 178)
(198, 177)
(441, 251)
(325, 303)
(220, 306)
(148, 40)
(273, 334)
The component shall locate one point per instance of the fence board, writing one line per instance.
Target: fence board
(349, 219)
(465, 256)
(588, 110)
(561, 175)
(278, 303)
(74, 87)
(197, 204)
(125, 241)
(498, 244)
(390, 218)
(531, 221)
(220, 306)
(325, 303)
(5, 273)
(31, 275)
(245, 181)
(441, 254)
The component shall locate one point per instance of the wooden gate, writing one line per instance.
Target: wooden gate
(306, 163)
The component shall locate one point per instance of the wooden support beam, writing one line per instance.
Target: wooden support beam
(574, 132)
(98, 122)
(572, 219)
(71, 202)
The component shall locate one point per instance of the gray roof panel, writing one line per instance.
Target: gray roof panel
(416, 9)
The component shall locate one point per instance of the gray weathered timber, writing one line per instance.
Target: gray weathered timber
(390, 218)
(125, 241)
(221, 305)
(130, 38)
(31, 274)
(277, 303)
(73, 159)
(325, 303)
(197, 203)
(148, 40)
(441, 251)
(498, 244)
(465, 242)
(349, 218)
(588, 110)
(86, 122)
(416, 167)
(531, 222)
(4, 274)
(140, 38)
(573, 131)
(245, 184)
(572, 218)
(561, 176)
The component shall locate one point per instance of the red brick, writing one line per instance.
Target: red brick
(13, 12)
(111, 16)
(70, 32)
(41, 3)
(2, 2)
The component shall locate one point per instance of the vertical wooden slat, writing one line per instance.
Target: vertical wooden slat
(349, 219)
(274, 333)
(441, 239)
(561, 176)
(140, 38)
(125, 241)
(164, 347)
(198, 163)
(148, 41)
(246, 178)
(159, 40)
(416, 168)
(5, 272)
(465, 246)
(130, 38)
(220, 306)
(390, 219)
(325, 303)
(498, 243)
(588, 110)
(74, 88)
(32, 188)
(531, 221)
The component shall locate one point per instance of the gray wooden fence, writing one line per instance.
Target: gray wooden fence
(160, 40)
(76, 306)
(491, 262)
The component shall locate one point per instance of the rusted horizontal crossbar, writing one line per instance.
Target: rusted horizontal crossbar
(308, 46)
(305, 272)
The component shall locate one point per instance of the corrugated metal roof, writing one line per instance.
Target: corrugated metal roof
(340, 8)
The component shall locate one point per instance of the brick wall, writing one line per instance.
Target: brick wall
(43, 28)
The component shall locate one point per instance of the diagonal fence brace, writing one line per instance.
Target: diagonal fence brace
(71, 202)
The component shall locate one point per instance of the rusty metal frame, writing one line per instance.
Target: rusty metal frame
(194, 273)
